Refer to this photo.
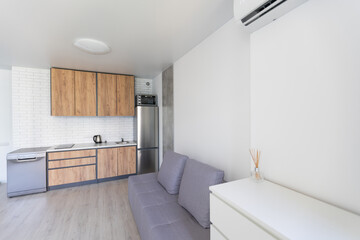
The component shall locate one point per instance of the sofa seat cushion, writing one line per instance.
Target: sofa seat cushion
(144, 178)
(157, 214)
(171, 171)
(194, 194)
(180, 230)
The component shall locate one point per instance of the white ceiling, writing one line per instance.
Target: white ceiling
(146, 36)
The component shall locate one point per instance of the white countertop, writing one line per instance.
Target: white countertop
(84, 146)
(287, 214)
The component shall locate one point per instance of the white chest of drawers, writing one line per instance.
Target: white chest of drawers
(247, 210)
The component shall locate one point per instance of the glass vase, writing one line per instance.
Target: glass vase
(257, 175)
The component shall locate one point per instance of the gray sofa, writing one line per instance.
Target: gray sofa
(183, 214)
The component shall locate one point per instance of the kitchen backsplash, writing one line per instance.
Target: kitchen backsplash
(34, 126)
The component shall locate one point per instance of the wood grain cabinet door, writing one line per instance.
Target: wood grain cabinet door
(62, 92)
(107, 162)
(126, 160)
(125, 95)
(72, 154)
(107, 94)
(85, 93)
(71, 175)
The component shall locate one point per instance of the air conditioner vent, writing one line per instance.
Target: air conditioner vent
(255, 14)
(261, 11)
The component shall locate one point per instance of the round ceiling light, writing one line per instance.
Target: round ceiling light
(92, 46)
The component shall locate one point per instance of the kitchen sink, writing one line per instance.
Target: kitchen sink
(124, 142)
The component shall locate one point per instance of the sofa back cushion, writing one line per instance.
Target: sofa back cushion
(171, 171)
(194, 194)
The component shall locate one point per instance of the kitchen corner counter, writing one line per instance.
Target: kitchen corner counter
(85, 146)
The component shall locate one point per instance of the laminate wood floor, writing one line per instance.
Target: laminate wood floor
(96, 211)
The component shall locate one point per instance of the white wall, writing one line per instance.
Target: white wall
(5, 119)
(211, 101)
(157, 89)
(33, 126)
(305, 100)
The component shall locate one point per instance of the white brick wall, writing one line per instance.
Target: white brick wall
(33, 126)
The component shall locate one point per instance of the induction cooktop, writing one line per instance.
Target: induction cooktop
(64, 146)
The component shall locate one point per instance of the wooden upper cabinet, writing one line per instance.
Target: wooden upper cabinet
(116, 95)
(81, 93)
(107, 94)
(85, 93)
(62, 92)
(73, 93)
(126, 160)
(125, 95)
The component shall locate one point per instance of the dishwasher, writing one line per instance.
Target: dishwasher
(26, 171)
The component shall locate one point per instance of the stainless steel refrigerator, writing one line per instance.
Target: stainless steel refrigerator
(147, 136)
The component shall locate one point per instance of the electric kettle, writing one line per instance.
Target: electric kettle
(97, 139)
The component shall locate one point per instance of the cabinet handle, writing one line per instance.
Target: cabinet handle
(21, 160)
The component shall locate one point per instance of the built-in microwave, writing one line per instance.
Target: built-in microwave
(145, 100)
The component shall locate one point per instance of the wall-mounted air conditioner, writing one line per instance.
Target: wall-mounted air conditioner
(254, 14)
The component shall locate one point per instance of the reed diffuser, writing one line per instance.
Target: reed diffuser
(256, 174)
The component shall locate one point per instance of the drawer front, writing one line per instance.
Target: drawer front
(71, 175)
(72, 154)
(233, 224)
(215, 234)
(71, 162)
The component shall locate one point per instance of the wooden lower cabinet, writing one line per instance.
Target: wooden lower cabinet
(126, 161)
(107, 162)
(114, 162)
(71, 167)
(72, 154)
(71, 175)
(86, 165)
(71, 162)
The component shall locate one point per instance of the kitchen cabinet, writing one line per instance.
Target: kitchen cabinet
(107, 162)
(62, 92)
(79, 174)
(125, 95)
(73, 93)
(72, 163)
(71, 167)
(126, 160)
(107, 93)
(116, 95)
(89, 165)
(114, 162)
(85, 93)
(72, 154)
(81, 93)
